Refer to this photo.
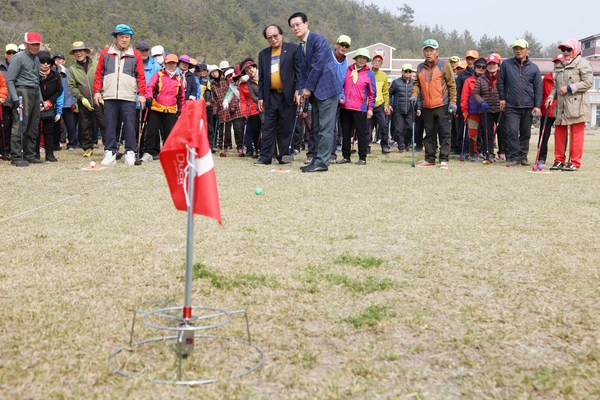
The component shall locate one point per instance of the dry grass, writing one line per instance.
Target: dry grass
(382, 281)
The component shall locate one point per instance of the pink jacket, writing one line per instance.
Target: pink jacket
(166, 92)
(360, 96)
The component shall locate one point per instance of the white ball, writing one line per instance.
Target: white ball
(92, 163)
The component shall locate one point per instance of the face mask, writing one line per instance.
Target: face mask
(192, 70)
(159, 59)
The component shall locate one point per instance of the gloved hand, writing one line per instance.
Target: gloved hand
(485, 106)
(465, 115)
(57, 118)
(47, 104)
(73, 107)
(225, 105)
(413, 101)
(149, 102)
(17, 104)
(452, 108)
(86, 104)
(343, 99)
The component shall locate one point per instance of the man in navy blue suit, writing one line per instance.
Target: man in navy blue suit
(278, 80)
(320, 84)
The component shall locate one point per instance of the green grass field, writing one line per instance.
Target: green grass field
(382, 281)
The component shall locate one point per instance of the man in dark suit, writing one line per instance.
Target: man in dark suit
(320, 83)
(279, 73)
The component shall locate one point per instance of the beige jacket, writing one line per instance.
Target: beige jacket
(574, 107)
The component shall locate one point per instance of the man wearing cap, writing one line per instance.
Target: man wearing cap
(150, 65)
(520, 92)
(59, 59)
(435, 83)
(23, 79)
(10, 51)
(81, 81)
(320, 84)
(404, 112)
(119, 79)
(342, 45)
(382, 103)
(279, 72)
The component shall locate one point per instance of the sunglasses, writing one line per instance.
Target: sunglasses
(11, 52)
(49, 62)
(566, 49)
(344, 45)
(408, 71)
(479, 66)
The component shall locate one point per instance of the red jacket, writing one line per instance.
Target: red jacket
(166, 92)
(247, 105)
(547, 85)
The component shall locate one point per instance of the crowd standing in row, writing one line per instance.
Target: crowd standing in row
(135, 95)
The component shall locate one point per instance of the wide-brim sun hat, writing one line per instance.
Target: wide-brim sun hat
(79, 46)
(362, 52)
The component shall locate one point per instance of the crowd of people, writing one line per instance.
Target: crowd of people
(297, 96)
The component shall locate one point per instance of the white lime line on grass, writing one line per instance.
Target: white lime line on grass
(63, 200)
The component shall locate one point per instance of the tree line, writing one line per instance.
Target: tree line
(214, 30)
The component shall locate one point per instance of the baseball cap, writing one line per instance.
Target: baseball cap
(472, 53)
(344, 39)
(431, 43)
(32, 38)
(378, 54)
(522, 43)
(142, 45)
(202, 67)
(492, 59)
(171, 58)
(407, 67)
(58, 55)
(462, 64)
(558, 57)
(12, 47)
(157, 51)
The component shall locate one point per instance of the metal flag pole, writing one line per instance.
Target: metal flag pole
(185, 338)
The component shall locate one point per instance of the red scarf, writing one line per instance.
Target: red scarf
(492, 79)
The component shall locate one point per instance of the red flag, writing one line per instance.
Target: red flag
(191, 131)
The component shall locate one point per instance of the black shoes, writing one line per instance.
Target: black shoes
(343, 161)
(35, 161)
(260, 163)
(513, 164)
(361, 162)
(557, 166)
(570, 167)
(314, 168)
(385, 149)
(51, 159)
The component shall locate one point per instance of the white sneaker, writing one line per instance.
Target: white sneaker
(129, 158)
(444, 165)
(109, 158)
(147, 157)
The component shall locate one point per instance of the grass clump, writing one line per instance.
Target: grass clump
(369, 284)
(370, 317)
(365, 262)
(241, 281)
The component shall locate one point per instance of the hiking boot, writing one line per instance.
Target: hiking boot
(129, 158)
(474, 158)
(109, 158)
(88, 153)
(570, 167)
(361, 162)
(385, 150)
(343, 161)
(557, 166)
(147, 157)
(426, 164)
(525, 163)
(35, 161)
(513, 164)
(51, 158)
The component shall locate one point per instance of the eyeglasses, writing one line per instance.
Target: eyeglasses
(296, 25)
(480, 66)
(274, 37)
(566, 49)
(344, 45)
(49, 62)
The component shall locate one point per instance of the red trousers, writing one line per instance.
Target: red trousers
(575, 143)
(473, 121)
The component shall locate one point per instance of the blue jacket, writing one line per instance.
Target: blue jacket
(317, 71)
(69, 99)
(520, 85)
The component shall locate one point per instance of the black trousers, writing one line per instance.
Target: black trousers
(351, 120)
(7, 120)
(518, 121)
(88, 133)
(160, 125)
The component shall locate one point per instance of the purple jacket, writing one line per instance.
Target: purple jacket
(360, 96)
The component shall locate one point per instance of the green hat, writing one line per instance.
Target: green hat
(364, 53)
(454, 59)
(521, 43)
(12, 47)
(344, 39)
(431, 43)
(407, 67)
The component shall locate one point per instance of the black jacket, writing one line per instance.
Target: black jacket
(401, 90)
(51, 87)
(520, 84)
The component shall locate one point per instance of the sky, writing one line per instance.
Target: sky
(508, 19)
